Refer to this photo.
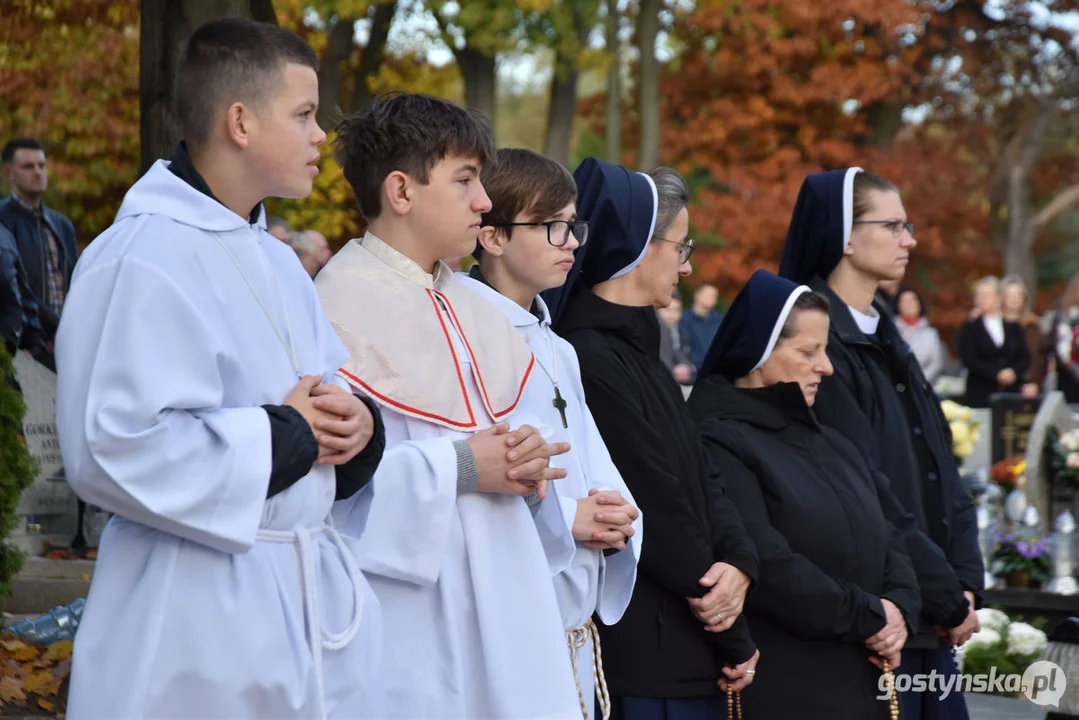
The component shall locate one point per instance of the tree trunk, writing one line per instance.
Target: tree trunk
(885, 120)
(339, 47)
(480, 79)
(562, 107)
(560, 114)
(1018, 253)
(1019, 250)
(648, 89)
(371, 58)
(614, 86)
(165, 27)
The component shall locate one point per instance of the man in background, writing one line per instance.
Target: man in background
(673, 349)
(44, 237)
(278, 227)
(700, 323)
(312, 249)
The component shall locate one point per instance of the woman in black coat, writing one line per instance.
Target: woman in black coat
(992, 349)
(836, 588)
(848, 234)
(682, 641)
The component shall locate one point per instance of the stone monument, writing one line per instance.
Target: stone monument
(49, 505)
(1054, 412)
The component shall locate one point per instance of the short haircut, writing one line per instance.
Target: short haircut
(864, 184)
(523, 182)
(19, 143)
(806, 301)
(673, 194)
(232, 60)
(273, 221)
(409, 133)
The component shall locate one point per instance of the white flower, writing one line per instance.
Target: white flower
(1025, 639)
(1070, 440)
(985, 638)
(993, 620)
(1073, 460)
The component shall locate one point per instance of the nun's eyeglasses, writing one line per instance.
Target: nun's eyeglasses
(896, 226)
(558, 230)
(685, 249)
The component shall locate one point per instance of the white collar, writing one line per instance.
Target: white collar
(514, 313)
(400, 263)
(867, 322)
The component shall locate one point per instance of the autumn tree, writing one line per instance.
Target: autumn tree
(70, 78)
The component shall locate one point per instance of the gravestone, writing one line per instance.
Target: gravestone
(1012, 419)
(1054, 412)
(49, 505)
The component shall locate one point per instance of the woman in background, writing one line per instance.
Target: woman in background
(1015, 307)
(922, 337)
(991, 348)
(1065, 339)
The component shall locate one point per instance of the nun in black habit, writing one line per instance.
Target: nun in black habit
(836, 587)
(682, 641)
(849, 232)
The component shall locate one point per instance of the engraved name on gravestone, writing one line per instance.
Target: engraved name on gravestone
(50, 495)
(1012, 419)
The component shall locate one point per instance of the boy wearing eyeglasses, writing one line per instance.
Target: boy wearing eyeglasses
(526, 246)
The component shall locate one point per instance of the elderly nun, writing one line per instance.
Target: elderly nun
(836, 590)
(849, 233)
(682, 641)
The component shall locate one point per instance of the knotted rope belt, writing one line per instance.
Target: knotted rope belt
(318, 637)
(576, 639)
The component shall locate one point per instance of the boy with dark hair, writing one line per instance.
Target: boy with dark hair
(528, 239)
(455, 525)
(197, 400)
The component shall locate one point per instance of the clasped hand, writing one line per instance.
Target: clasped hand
(722, 604)
(604, 520)
(517, 462)
(890, 639)
(342, 424)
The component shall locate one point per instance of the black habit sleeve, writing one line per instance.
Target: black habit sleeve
(792, 590)
(943, 602)
(678, 551)
(732, 541)
(900, 581)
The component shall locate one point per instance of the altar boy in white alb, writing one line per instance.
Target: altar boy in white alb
(197, 400)
(525, 247)
(449, 541)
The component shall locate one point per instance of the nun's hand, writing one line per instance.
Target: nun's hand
(722, 604)
(738, 677)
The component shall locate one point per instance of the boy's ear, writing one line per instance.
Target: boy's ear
(493, 240)
(397, 192)
(237, 121)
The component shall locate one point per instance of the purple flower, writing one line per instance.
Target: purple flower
(1024, 549)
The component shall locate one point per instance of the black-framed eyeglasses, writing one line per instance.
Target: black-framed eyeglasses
(896, 226)
(558, 231)
(685, 249)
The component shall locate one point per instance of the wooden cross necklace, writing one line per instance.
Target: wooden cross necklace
(558, 402)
